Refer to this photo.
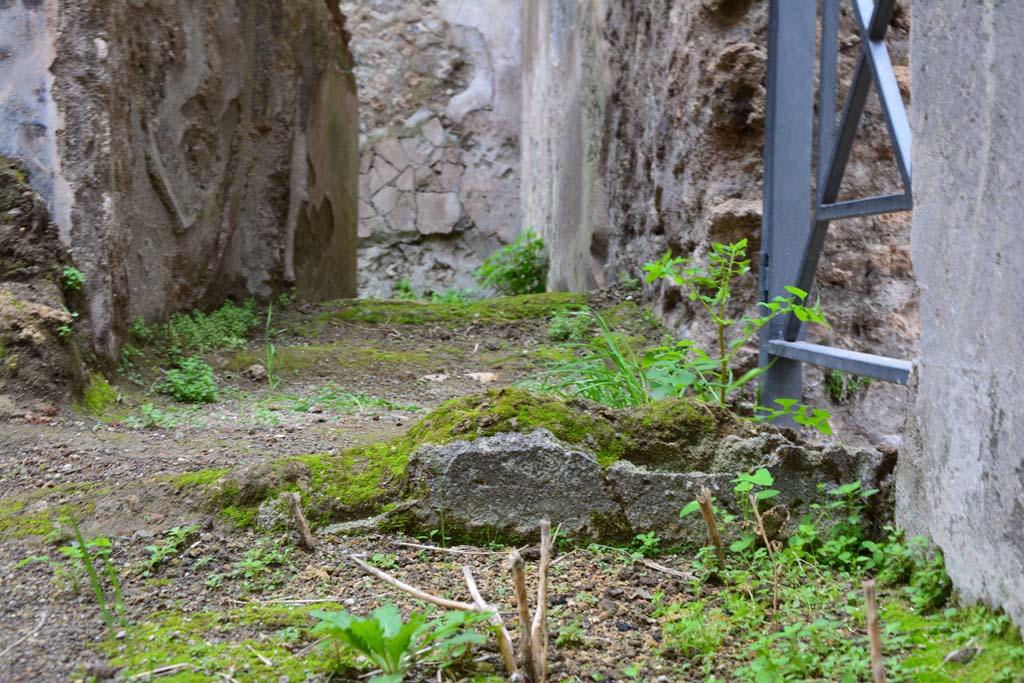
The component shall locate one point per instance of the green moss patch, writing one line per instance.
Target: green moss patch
(672, 434)
(210, 643)
(29, 515)
(296, 360)
(396, 312)
(99, 396)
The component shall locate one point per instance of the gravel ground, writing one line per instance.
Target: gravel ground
(112, 474)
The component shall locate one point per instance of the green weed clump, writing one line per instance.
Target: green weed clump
(393, 646)
(519, 268)
(72, 279)
(191, 382)
(199, 332)
(608, 369)
(773, 612)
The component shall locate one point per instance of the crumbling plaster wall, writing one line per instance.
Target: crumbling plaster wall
(565, 82)
(439, 139)
(684, 168)
(188, 151)
(960, 480)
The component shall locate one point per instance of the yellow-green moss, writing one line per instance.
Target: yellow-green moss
(17, 520)
(99, 396)
(936, 635)
(222, 642)
(362, 481)
(503, 309)
(197, 478)
(296, 360)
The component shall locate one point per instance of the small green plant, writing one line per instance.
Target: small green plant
(384, 561)
(85, 556)
(629, 283)
(272, 379)
(570, 326)
(403, 290)
(72, 279)
(64, 332)
(571, 635)
(191, 382)
(395, 646)
(645, 545)
(685, 367)
(518, 268)
(151, 417)
(184, 333)
(260, 568)
(170, 547)
(606, 370)
(841, 387)
(451, 296)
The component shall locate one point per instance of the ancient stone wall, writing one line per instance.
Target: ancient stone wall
(684, 168)
(207, 150)
(439, 138)
(960, 480)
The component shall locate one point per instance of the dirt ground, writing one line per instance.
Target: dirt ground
(114, 475)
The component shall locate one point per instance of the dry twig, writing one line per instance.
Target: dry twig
(494, 617)
(704, 500)
(295, 506)
(412, 590)
(455, 551)
(516, 564)
(874, 633)
(771, 553)
(19, 641)
(539, 630)
(651, 564)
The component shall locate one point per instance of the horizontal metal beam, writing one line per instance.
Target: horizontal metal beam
(868, 206)
(863, 364)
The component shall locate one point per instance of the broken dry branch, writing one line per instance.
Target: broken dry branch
(706, 509)
(526, 654)
(295, 506)
(771, 553)
(539, 632)
(412, 590)
(494, 617)
(874, 633)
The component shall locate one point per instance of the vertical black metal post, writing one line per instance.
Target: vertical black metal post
(786, 219)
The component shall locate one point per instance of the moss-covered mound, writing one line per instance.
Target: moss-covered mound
(401, 312)
(672, 435)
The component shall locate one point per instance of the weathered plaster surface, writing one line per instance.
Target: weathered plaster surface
(961, 477)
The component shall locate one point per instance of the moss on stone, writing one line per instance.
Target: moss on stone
(672, 434)
(99, 396)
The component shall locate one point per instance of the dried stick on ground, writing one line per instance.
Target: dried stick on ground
(771, 553)
(504, 639)
(704, 500)
(539, 631)
(295, 506)
(874, 633)
(526, 653)
(412, 590)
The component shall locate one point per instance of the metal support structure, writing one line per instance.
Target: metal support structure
(794, 227)
(789, 118)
